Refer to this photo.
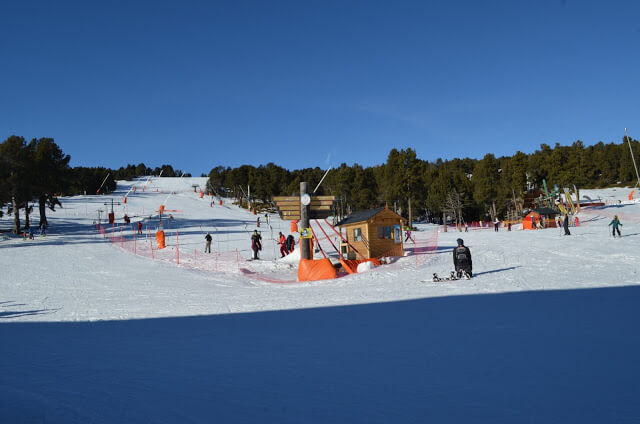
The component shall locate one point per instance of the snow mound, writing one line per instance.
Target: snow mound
(291, 258)
(365, 266)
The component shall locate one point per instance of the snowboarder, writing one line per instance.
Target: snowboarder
(565, 225)
(290, 243)
(256, 243)
(282, 241)
(140, 227)
(615, 223)
(207, 246)
(462, 259)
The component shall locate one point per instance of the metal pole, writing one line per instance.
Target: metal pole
(632, 158)
(305, 248)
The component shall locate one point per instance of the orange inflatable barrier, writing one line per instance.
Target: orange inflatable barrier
(161, 208)
(124, 200)
(351, 265)
(220, 202)
(201, 195)
(160, 239)
(316, 269)
(294, 226)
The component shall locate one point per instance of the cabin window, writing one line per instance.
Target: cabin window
(384, 232)
(357, 234)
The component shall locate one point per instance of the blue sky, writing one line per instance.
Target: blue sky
(311, 83)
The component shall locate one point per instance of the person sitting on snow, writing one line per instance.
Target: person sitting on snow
(462, 260)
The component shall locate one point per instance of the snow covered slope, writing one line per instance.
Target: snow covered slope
(95, 333)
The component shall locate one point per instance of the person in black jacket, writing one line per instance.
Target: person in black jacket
(462, 260)
(256, 243)
(207, 246)
(565, 225)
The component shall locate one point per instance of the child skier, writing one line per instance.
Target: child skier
(615, 223)
(283, 245)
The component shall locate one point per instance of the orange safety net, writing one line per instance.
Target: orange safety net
(316, 269)
(351, 265)
(160, 239)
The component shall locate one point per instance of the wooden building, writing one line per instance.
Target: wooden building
(373, 233)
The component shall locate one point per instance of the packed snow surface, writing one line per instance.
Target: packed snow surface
(99, 327)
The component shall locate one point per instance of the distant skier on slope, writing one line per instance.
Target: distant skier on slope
(256, 243)
(282, 241)
(462, 259)
(615, 223)
(207, 246)
(565, 225)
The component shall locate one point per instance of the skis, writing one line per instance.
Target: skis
(452, 277)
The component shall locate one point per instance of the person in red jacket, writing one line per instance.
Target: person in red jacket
(283, 245)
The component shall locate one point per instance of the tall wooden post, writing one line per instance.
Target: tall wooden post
(305, 248)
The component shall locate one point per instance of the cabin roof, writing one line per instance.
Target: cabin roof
(362, 216)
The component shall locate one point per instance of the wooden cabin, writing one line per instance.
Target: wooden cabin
(548, 218)
(373, 233)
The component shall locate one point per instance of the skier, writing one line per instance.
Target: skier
(615, 223)
(207, 246)
(565, 225)
(127, 220)
(256, 243)
(462, 260)
(258, 222)
(496, 224)
(43, 229)
(140, 227)
(290, 243)
(407, 230)
(283, 245)
(533, 222)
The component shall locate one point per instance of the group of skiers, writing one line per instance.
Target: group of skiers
(286, 244)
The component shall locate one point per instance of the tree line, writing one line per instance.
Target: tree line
(479, 188)
(37, 172)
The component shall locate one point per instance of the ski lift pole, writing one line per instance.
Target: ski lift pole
(322, 179)
(633, 159)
